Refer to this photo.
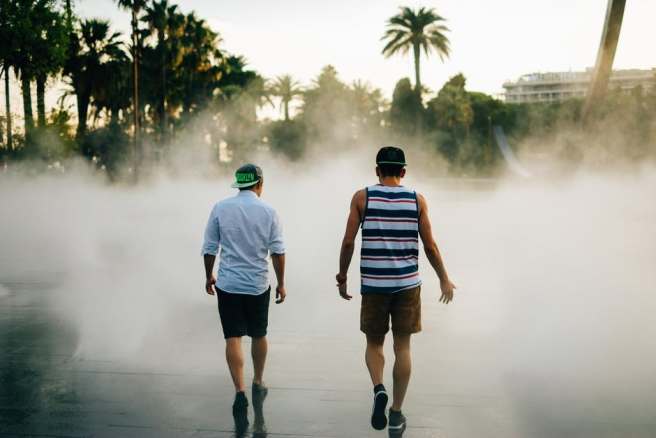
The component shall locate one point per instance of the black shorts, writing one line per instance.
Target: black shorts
(243, 314)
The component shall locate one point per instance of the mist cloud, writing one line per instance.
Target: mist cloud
(555, 278)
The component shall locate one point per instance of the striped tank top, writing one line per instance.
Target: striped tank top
(389, 259)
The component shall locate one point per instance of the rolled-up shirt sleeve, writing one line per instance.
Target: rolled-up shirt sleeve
(212, 239)
(276, 244)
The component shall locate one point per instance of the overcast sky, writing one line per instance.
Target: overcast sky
(491, 41)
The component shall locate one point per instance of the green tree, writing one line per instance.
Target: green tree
(165, 24)
(367, 106)
(111, 92)
(96, 47)
(239, 93)
(202, 64)
(451, 111)
(327, 109)
(135, 7)
(417, 29)
(286, 88)
(49, 52)
(39, 35)
(287, 138)
(7, 57)
(406, 109)
(26, 16)
(452, 106)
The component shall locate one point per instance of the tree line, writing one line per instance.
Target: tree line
(136, 95)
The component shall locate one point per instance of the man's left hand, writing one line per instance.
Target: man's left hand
(447, 291)
(210, 285)
(281, 293)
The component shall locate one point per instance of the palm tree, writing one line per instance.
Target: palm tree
(112, 91)
(8, 108)
(7, 55)
(23, 14)
(162, 18)
(68, 10)
(367, 105)
(200, 66)
(286, 88)
(135, 7)
(86, 67)
(37, 45)
(49, 51)
(417, 29)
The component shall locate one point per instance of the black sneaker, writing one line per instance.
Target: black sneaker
(240, 413)
(396, 423)
(259, 393)
(378, 418)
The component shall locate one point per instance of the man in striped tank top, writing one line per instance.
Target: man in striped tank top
(392, 218)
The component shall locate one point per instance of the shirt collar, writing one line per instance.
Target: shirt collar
(247, 193)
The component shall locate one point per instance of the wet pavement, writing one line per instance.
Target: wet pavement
(47, 390)
(318, 387)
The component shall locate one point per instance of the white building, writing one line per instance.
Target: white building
(552, 87)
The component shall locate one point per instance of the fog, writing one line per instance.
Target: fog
(555, 278)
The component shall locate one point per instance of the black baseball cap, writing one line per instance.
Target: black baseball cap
(391, 155)
(247, 176)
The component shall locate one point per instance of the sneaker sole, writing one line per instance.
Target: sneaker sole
(378, 417)
(396, 431)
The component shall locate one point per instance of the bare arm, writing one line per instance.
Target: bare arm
(348, 242)
(208, 260)
(278, 261)
(211, 242)
(432, 251)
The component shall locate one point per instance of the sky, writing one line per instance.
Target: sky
(491, 41)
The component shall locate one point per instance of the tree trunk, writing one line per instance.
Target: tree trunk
(286, 106)
(8, 109)
(82, 111)
(420, 114)
(113, 117)
(135, 90)
(69, 14)
(417, 52)
(27, 105)
(163, 115)
(41, 100)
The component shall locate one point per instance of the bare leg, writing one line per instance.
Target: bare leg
(235, 358)
(375, 358)
(259, 349)
(402, 367)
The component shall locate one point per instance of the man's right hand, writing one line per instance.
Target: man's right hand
(210, 285)
(447, 291)
(341, 285)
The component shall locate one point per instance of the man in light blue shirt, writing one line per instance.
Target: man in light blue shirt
(244, 230)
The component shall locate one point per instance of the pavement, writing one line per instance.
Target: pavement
(177, 384)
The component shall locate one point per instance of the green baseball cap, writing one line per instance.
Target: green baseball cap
(247, 176)
(391, 155)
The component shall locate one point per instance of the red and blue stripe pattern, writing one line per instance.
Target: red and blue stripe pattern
(389, 259)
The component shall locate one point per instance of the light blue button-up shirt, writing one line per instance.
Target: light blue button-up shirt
(246, 229)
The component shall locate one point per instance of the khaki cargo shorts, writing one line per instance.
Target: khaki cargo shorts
(404, 309)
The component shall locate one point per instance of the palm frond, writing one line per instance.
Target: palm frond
(399, 43)
(423, 26)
